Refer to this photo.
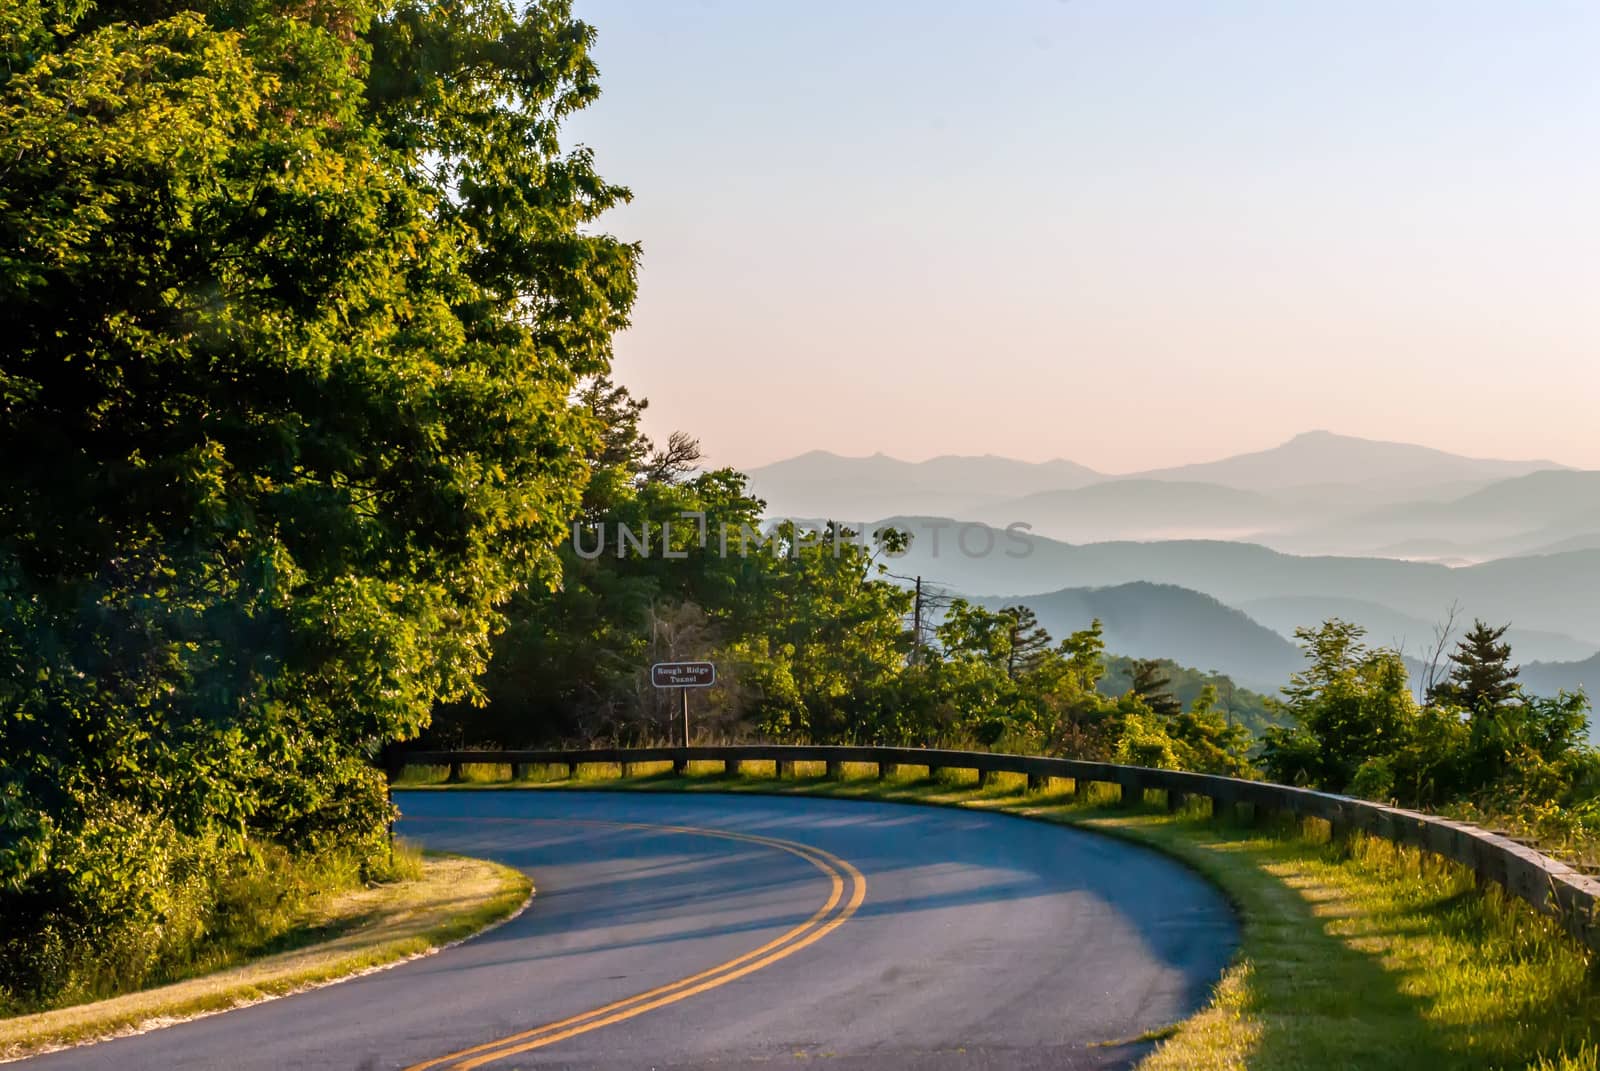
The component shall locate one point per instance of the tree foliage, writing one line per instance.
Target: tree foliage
(1356, 727)
(1250, 709)
(1151, 684)
(811, 635)
(296, 300)
(1481, 674)
(668, 562)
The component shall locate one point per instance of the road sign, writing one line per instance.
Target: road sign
(683, 674)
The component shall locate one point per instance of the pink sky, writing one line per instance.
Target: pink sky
(1129, 234)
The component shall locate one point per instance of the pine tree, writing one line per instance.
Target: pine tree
(1029, 641)
(1152, 684)
(1482, 677)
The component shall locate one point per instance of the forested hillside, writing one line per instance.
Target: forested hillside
(1166, 621)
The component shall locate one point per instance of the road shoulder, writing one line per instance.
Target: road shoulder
(455, 898)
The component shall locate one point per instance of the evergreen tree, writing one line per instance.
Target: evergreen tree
(1482, 678)
(1151, 684)
(1029, 642)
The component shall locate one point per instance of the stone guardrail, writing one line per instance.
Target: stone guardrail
(1552, 887)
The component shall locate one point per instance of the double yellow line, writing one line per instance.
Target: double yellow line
(830, 916)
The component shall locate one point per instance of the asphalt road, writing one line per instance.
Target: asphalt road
(679, 931)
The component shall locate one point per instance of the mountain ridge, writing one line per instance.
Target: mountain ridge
(1297, 444)
(1316, 492)
(1554, 592)
(1147, 620)
(1316, 457)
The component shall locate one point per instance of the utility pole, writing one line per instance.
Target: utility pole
(916, 627)
(916, 616)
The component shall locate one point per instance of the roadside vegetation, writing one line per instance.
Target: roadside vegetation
(297, 298)
(1357, 955)
(208, 909)
(318, 936)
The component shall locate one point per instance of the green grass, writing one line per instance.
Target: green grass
(332, 937)
(1359, 955)
(214, 905)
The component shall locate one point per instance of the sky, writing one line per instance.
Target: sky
(1132, 233)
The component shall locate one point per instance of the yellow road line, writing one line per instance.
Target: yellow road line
(811, 930)
(836, 893)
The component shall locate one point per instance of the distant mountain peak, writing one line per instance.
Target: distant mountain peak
(1325, 457)
(1319, 491)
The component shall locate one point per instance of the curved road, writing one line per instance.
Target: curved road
(714, 931)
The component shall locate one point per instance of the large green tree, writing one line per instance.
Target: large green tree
(1351, 704)
(296, 298)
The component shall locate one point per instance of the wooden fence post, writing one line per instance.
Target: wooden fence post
(1132, 793)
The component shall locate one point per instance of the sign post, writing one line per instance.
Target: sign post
(683, 676)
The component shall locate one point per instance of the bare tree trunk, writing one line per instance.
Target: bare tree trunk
(1434, 666)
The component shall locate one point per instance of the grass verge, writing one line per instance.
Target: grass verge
(350, 932)
(1360, 955)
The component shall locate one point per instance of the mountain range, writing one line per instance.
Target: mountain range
(1215, 565)
(1143, 620)
(1391, 628)
(1549, 599)
(1548, 678)
(1323, 459)
(1318, 493)
(1552, 593)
